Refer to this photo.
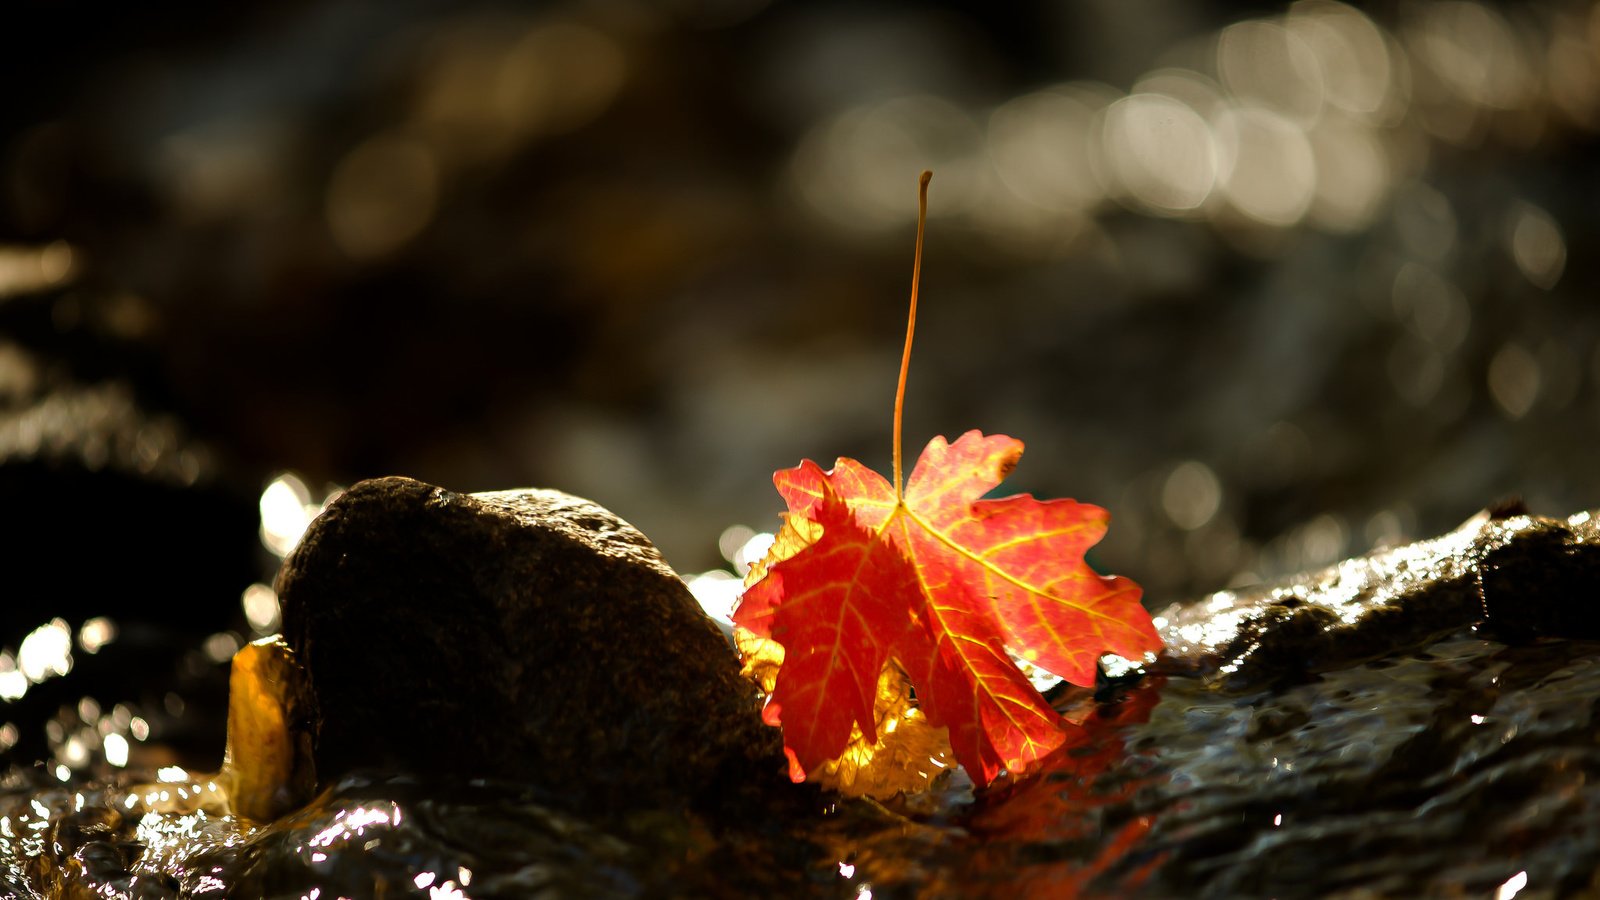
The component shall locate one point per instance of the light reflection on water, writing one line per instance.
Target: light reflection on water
(1346, 148)
(1292, 782)
(718, 590)
(1291, 787)
(1293, 121)
(287, 508)
(27, 269)
(46, 652)
(1305, 117)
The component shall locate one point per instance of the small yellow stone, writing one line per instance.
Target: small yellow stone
(268, 769)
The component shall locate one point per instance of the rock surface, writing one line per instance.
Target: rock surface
(1514, 575)
(104, 492)
(119, 511)
(526, 634)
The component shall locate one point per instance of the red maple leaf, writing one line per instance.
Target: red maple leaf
(942, 582)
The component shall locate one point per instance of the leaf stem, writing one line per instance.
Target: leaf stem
(911, 328)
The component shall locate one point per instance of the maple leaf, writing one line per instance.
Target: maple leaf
(942, 581)
(939, 582)
(837, 604)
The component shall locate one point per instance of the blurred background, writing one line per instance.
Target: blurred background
(1272, 282)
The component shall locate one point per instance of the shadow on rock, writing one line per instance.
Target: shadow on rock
(527, 635)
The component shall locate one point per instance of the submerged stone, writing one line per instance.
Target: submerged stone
(1511, 574)
(528, 635)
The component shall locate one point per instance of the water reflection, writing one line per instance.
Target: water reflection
(1354, 173)
(287, 508)
(13, 684)
(492, 85)
(115, 749)
(25, 270)
(849, 168)
(1402, 134)
(261, 609)
(1472, 55)
(383, 193)
(46, 652)
(1040, 146)
(1266, 167)
(1300, 119)
(1191, 495)
(1354, 67)
(220, 647)
(1106, 210)
(1266, 65)
(1292, 786)
(1537, 246)
(1303, 116)
(96, 633)
(1514, 380)
(718, 590)
(1158, 152)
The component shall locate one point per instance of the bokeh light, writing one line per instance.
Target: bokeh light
(28, 269)
(1266, 166)
(1537, 246)
(1333, 255)
(261, 609)
(1158, 152)
(287, 508)
(1265, 64)
(852, 168)
(382, 194)
(46, 652)
(1040, 146)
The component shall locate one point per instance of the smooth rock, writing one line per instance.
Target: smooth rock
(528, 635)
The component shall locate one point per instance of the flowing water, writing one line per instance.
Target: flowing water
(1421, 721)
(1467, 768)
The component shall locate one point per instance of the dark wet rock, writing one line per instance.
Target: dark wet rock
(1420, 721)
(1538, 577)
(113, 508)
(1511, 574)
(101, 493)
(527, 635)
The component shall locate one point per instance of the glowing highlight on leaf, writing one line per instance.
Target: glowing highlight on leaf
(935, 582)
